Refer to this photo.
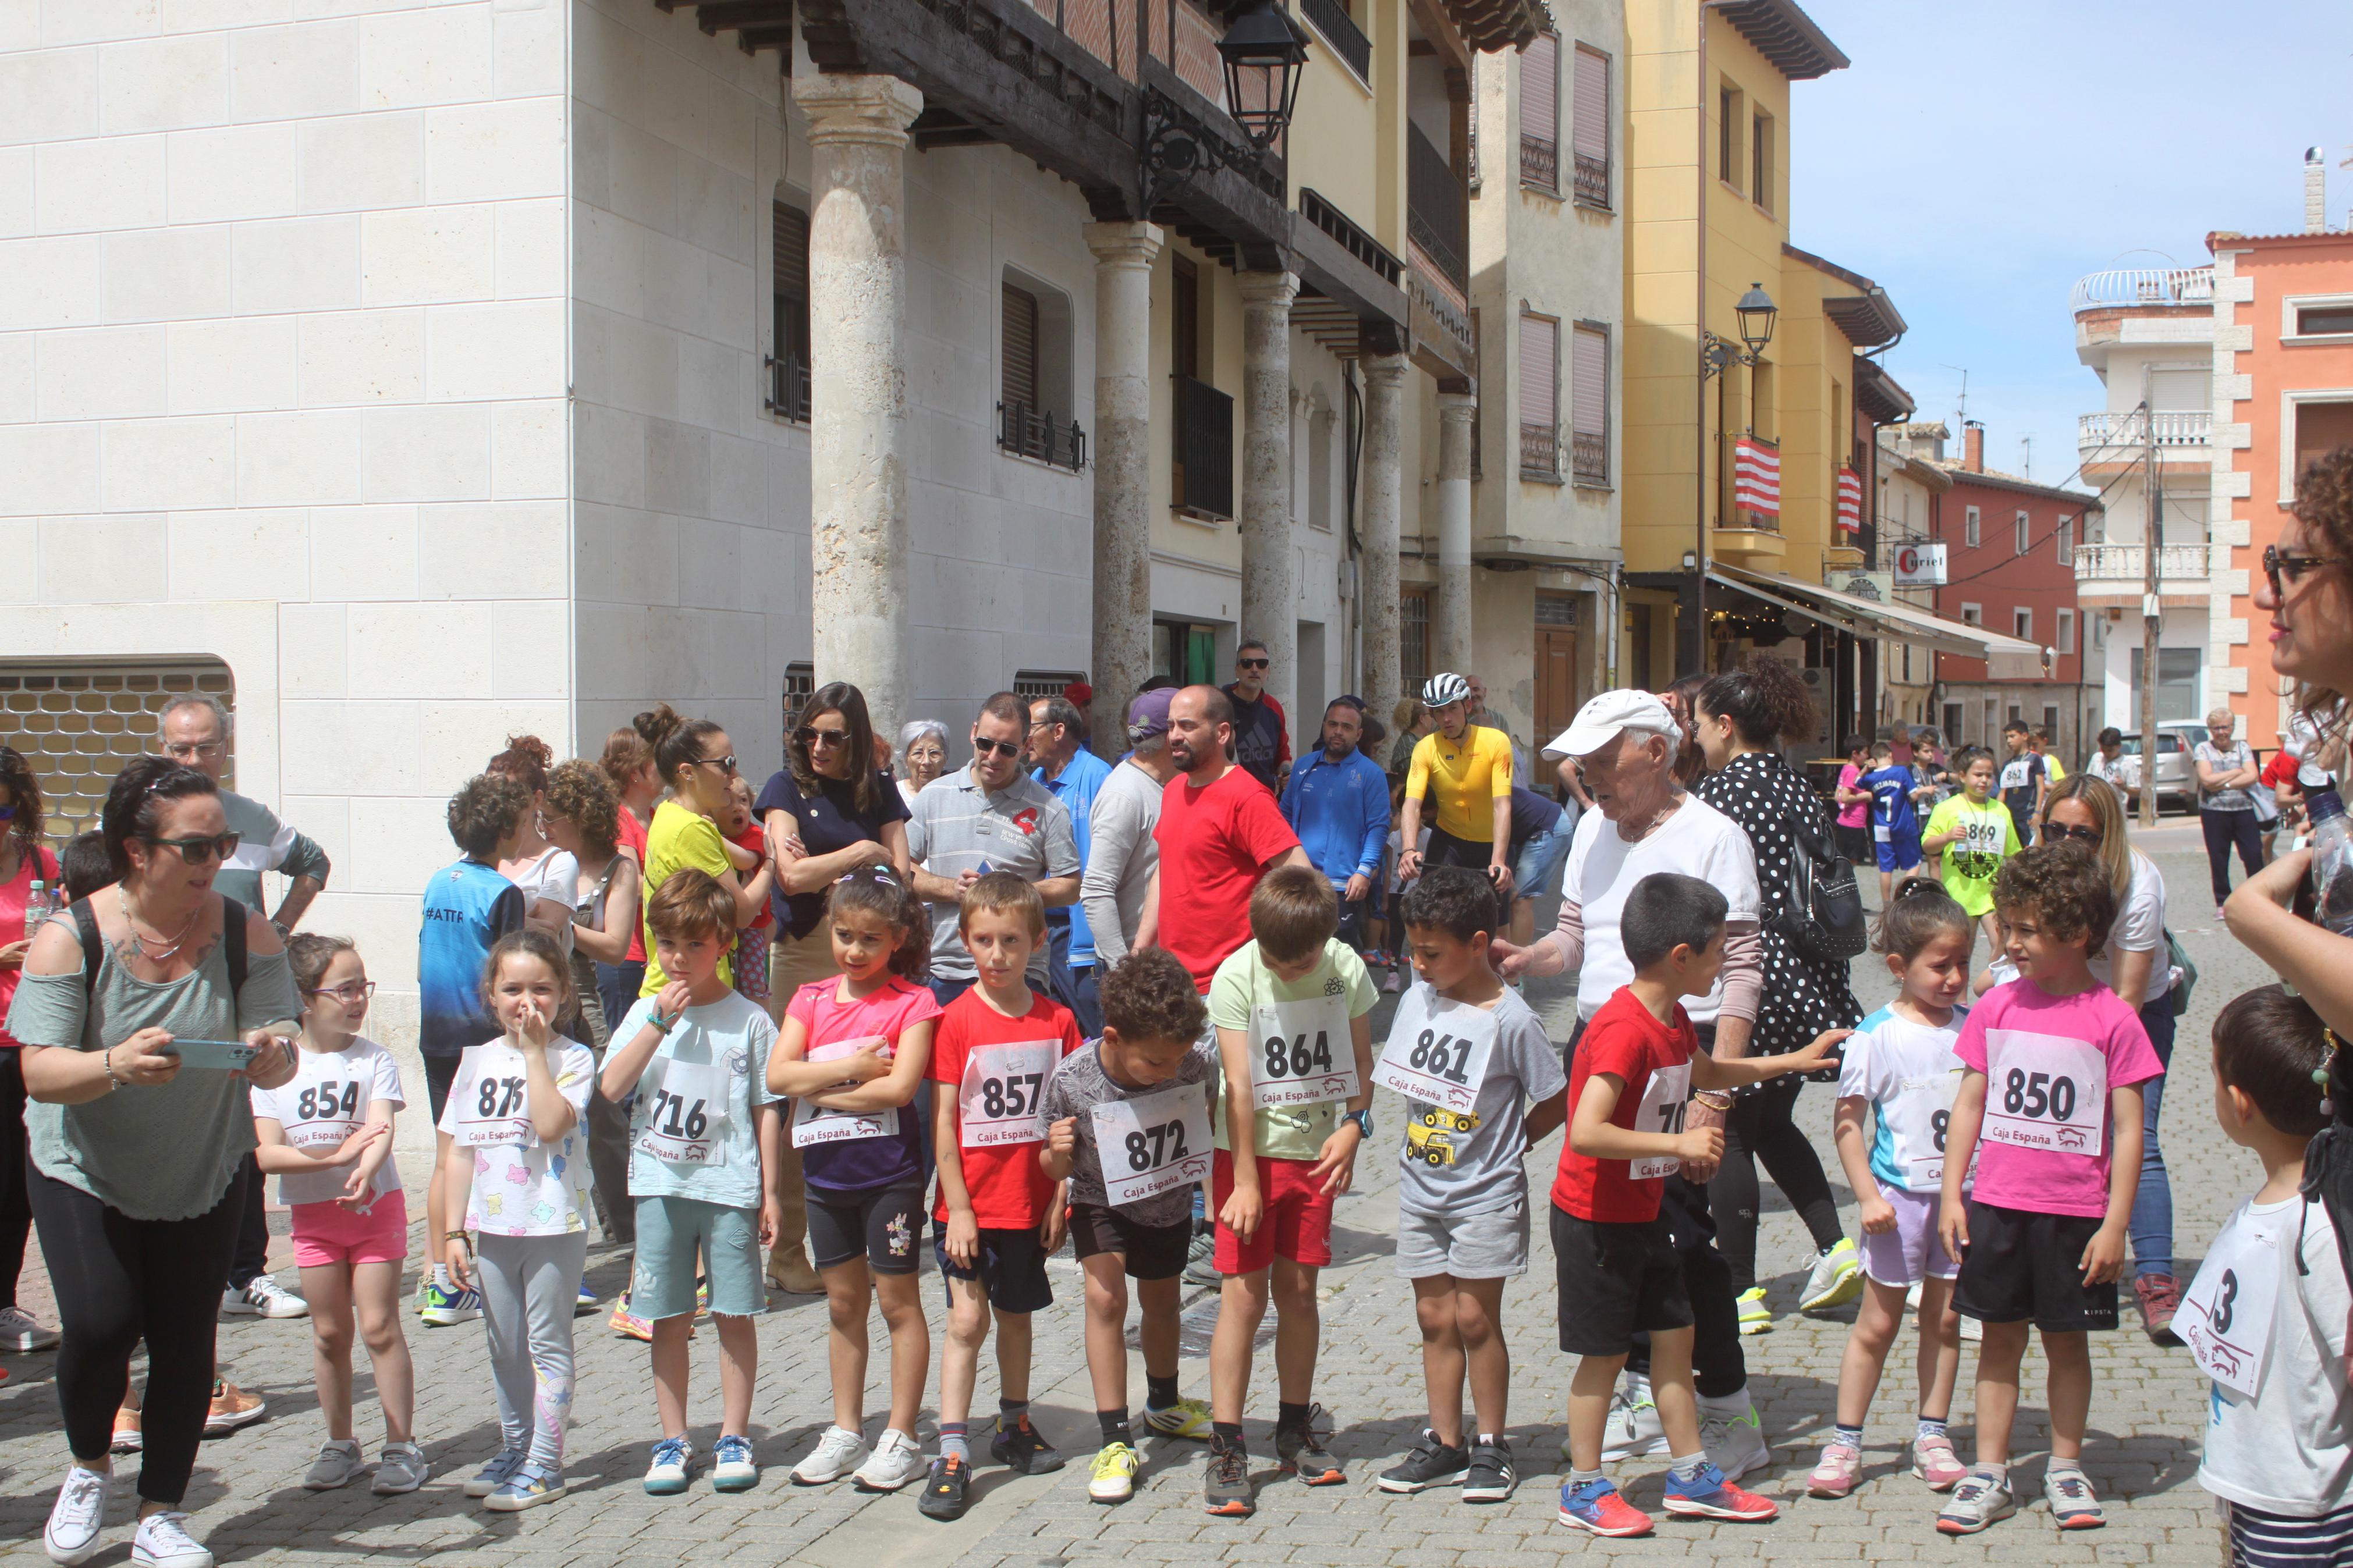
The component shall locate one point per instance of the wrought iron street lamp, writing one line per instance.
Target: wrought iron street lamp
(1757, 313)
(1265, 54)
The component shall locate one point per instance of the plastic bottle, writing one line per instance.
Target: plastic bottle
(39, 906)
(2332, 860)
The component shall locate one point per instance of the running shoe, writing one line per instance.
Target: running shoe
(1981, 1498)
(444, 1307)
(1185, 1419)
(672, 1468)
(837, 1453)
(1020, 1447)
(1933, 1461)
(231, 1408)
(163, 1541)
(2069, 1494)
(1707, 1495)
(732, 1467)
(1201, 1259)
(584, 1303)
(2159, 1298)
(1598, 1506)
(127, 1437)
(895, 1462)
(1432, 1464)
(338, 1465)
(1300, 1450)
(1733, 1444)
(263, 1296)
(1114, 1476)
(1391, 983)
(497, 1473)
(1633, 1431)
(1491, 1478)
(19, 1331)
(1835, 1473)
(527, 1487)
(1837, 1278)
(1755, 1317)
(1226, 1488)
(627, 1323)
(400, 1468)
(945, 1490)
(72, 1536)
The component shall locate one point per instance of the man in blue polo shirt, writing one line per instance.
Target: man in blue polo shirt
(1338, 803)
(1058, 746)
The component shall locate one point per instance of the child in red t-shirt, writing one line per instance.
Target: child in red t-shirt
(1636, 1062)
(998, 1216)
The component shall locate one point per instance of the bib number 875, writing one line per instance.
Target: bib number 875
(1149, 1148)
(2036, 1094)
(1299, 1056)
(499, 1096)
(1441, 1056)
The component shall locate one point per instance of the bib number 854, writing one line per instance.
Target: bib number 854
(328, 1101)
(1149, 1148)
(1441, 1056)
(2036, 1094)
(1299, 1056)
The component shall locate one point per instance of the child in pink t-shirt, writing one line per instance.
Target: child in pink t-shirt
(1854, 802)
(2052, 1064)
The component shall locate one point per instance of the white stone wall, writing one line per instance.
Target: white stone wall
(282, 362)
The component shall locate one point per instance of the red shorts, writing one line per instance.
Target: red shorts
(1296, 1224)
(328, 1233)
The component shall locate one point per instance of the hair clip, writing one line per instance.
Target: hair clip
(2320, 1074)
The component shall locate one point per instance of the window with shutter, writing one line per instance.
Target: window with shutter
(1588, 403)
(1540, 114)
(1539, 397)
(788, 367)
(1589, 126)
(1020, 379)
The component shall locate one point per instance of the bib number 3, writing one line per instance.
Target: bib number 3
(2230, 1314)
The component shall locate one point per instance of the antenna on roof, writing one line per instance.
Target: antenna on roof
(1961, 416)
(2026, 457)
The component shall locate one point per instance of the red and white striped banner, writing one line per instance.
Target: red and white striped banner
(1850, 501)
(1757, 476)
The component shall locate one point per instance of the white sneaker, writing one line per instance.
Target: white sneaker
(19, 1331)
(338, 1465)
(1732, 1439)
(72, 1536)
(838, 1452)
(263, 1296)
(163, 1541)
(897, 1461)
(1633, 1431)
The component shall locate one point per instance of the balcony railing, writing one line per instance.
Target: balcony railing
(2135, 429)
(1204, 479)
(1588, 457)
(2128, 565)
(1028, 432)
(2143, 286)
(1437, 208)
(1540, 163)
(1539, 452)
(788, 396)
(1592, 181)
(1330, 18)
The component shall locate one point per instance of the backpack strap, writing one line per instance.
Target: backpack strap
(233, 945)
(93, 949)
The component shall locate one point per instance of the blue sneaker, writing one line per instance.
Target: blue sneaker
(672, 1468)
(527, 1487)
(585, 1303)
(441, 1305)
(733, 1469)
(1707, 1495)
(1598, 1506)
(497, 1473)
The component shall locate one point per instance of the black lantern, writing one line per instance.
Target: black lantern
(1264, 51)
(1756, 311)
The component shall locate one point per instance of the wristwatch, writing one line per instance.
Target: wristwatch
(1364, 1121)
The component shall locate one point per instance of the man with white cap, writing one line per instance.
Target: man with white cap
(1625, 742)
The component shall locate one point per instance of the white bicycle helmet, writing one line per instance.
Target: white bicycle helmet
(1441, 689)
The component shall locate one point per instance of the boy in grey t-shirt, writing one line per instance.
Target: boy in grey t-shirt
(1127, 1127)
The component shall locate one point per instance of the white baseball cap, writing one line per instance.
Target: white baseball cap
(1599, 722)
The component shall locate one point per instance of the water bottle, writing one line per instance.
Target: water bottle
(2332, 860)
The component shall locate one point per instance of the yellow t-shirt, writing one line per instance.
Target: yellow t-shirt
(2050, 766)
(1465, 777)
(679, 838)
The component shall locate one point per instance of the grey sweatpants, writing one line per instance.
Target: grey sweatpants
(530, 1285)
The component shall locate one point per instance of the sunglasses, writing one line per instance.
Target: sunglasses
(201, 851)
(1253, 663)
(809, 735)
(2279, 564)
(356, 992)
(2054, 832)
(982, 747)
(726, 764)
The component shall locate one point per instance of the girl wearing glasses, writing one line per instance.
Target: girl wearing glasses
(139, 1161)
(696, 761)
(2088, 812)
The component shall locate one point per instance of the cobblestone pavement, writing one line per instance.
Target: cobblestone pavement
(2147, 1421)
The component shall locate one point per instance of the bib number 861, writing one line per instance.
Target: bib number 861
(1441, 1056)
(2036, 1094)
(1149, 1148)
(1298, 1057)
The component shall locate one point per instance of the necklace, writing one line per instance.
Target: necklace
(1665, 812)
(145, 945)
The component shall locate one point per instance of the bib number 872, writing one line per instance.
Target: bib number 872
(2036, 1094)
(1441, 1056)
(1299, 1056)
(1149, 1148)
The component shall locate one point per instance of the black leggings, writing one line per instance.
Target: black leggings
(2223, 829)
(15, 1209)
(1759, 1128)
(117, 1280)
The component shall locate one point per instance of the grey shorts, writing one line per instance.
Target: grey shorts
(1489, 1246)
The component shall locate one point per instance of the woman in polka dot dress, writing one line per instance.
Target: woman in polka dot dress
(1741, 720)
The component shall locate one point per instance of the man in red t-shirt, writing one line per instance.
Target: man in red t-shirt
(1219, 831)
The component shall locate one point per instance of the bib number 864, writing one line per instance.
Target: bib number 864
(1441, 1056)
(1299, 1056)
(1149, 1148)
(2036, 1094)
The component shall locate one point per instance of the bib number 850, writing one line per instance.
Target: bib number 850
(1441, 1056)
(1149, 1148)
(2038, 1095)
(1298, 1057)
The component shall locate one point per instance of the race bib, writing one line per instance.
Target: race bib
(1917, 1116)
(1153, 1143)
(1662, 1111)
(1882, 834)
(814, 1124)
(1003, 1088)
(493, 1108)
(1438, 1056)
(2045, 1092)
(688, 1118)
(1302, 1053)
(2228, 1317)
(1983, 835)
(325, 1114)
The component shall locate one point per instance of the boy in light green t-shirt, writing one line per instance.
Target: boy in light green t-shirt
(1972, 834)
(1293, 1014)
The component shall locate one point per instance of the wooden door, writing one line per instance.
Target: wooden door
(1555, 682)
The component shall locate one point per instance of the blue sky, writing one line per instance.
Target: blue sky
(1977, 160)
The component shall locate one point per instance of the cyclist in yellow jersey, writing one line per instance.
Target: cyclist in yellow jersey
(1466, 770)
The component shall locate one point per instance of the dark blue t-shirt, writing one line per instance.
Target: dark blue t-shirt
(828, 820)
(1531, 814)
(2020, 776)
(468, 907)
(1892, 816)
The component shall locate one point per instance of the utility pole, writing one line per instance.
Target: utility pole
(2152, 619)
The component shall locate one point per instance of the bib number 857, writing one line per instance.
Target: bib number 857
(1298, 1057)
(2036, 1094)
(1441, 1056)
(1006, 1098)
(1149, 1148)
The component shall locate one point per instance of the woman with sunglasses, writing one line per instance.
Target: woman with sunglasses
(22, 862)
(2088, 811)
(138, 1158)
(696, 761)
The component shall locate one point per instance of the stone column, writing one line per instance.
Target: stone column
(1270, 587)
(1122, 452)
(1384, 515)
(857, 385)
(1451, 615)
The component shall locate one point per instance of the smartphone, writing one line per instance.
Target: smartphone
(221, 1056)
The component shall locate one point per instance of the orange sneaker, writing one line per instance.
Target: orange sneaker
(232, 1408)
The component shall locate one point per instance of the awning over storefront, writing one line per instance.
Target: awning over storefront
(2007, 658)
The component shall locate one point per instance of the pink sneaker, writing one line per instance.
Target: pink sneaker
(1835, 1475)
(1933, 1461)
